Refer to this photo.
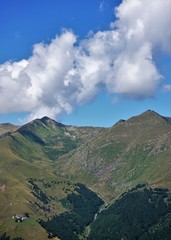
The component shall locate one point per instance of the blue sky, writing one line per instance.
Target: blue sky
(24, 23)
(72, 61)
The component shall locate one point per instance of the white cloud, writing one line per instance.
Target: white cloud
(37, 84)
(143, 20)
(60, 75)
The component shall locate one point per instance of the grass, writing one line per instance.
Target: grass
(136, 151)
(109, 161)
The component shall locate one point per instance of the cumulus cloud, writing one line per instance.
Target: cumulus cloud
(37, 84)
(62, 74)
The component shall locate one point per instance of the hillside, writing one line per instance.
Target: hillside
(27, 181)
(143, 214)
(49, 139)
(57, 173)
(135, 151)
(7, 128)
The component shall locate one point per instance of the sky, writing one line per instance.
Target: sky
(84, 62)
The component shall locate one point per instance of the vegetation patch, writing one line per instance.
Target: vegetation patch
(69, 225)
(4, 236)
(140, 214)
(37, 192)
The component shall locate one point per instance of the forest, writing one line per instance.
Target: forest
(4, 236)
(140, 214)
(83, 205)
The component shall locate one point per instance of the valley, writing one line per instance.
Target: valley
(64, 175)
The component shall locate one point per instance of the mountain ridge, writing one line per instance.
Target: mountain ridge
(134, 139)
(46, 119)
(43, 162)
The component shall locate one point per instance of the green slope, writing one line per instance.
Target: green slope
(135, 151)
(42, 163)
(6, 128)
(45, 138)
(26, 161)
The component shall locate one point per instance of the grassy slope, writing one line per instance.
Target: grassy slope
(49, 139)
(7, 127)
(16, 197)
(25, 154)
(109, 161)
(135, 151)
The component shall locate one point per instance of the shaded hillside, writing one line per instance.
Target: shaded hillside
(143, 214)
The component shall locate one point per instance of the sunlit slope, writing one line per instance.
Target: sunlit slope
(29, 187)
(27, 155)
(15, 194)
(45, 138)
(135, 151)
(7, 128)
(42, 162)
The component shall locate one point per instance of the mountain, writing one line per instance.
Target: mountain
(46, 138)
(62, 175)
(135, 151)
(27, 180)
(7, 128)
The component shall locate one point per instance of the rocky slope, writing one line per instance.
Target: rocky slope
(135, 151)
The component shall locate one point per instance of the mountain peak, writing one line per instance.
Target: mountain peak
(149, 111)
(46, 120)
(148, 117)
(152, 114)
(119, 122)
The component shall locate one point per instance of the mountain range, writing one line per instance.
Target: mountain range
(67, 176)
